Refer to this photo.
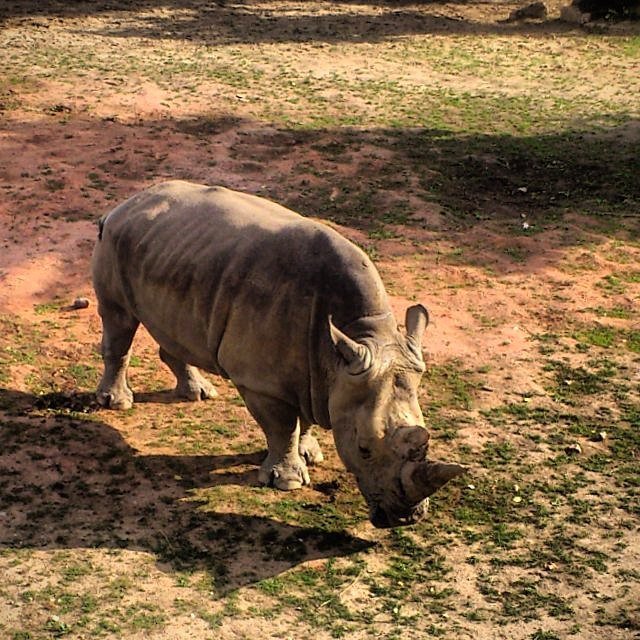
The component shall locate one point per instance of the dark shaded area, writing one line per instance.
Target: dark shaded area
(609, 8)
(541, 176)
(474, 177)
(69, 481)
(219, 23)
(479, 179)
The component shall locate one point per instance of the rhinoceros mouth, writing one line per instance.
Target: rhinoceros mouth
(387, 518)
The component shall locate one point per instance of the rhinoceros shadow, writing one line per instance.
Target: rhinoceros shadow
(68, 480)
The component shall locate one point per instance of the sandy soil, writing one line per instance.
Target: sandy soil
(70, 150)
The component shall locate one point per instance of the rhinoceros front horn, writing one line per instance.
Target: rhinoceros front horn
(421, 479)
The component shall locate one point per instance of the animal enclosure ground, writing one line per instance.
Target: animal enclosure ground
(491, 171)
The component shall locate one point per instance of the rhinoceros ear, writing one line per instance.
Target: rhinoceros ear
(420, 480)
(358, 357)
(416, 321)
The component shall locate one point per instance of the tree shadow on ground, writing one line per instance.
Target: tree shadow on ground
(367, 179)
(245, 22)
(70, 481)
(474, 177)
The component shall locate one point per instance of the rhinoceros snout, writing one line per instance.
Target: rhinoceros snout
(385, 519)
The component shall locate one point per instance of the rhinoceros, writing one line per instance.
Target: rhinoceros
(291, 312)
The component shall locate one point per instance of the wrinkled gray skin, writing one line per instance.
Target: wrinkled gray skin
(292, 313)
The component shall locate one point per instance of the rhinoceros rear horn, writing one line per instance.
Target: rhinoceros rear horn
(420, 480)
(358, 357)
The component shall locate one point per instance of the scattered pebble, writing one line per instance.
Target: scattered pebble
(517, 499)
(601, 436)
(78, 303)
(573, 449)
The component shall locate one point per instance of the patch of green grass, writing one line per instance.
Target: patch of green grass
(607, 337)
(571, 383)
(315, 595)
(623, 313)
(612, 284)
(84, 376)
(598, 336)
(74, 570)
(449, 384)
(540, 634)
(517, 254)
(46, 307)
(496, 454)
(526, 601)
(631, 46)
(96, 181)
(144, 617)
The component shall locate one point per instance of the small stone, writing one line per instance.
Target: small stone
(533, 11)
(573, 449)
(80, 303)
(601, 436)
(517, 499)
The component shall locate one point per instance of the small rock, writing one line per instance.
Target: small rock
(80, 303)
(517, 499)
(573, 449)
(533, 11)
(601, 436)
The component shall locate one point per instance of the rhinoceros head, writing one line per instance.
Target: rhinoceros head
(377, 422)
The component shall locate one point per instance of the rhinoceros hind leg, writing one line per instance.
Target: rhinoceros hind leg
(309, 448)
(283, 467)
(118, 329)
(191, 384)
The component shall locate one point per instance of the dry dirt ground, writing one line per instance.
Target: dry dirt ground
(491, 169)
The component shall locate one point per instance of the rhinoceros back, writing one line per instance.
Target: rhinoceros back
(236, 285)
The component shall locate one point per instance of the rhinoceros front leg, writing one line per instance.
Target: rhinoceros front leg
(118, 329)
(191, 384)
(309, 448)
(283, 467)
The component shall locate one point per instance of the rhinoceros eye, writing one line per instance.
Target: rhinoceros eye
(401, 382)
(364, 452)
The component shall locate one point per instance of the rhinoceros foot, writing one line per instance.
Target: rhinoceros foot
(119, 399)
(309, 449)
(196, 388)
(286, 476)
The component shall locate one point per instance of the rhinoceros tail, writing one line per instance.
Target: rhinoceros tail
(101, 226)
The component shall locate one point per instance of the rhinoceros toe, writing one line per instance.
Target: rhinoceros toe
(117, 400)
(286, 476)
(201, 391)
